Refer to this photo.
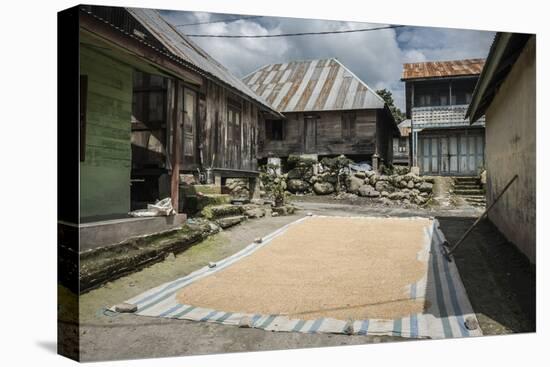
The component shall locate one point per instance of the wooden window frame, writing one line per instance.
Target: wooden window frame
(270, 127)
(348, 122)
(232, 108)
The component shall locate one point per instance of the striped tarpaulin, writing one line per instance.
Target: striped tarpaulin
(441, 287)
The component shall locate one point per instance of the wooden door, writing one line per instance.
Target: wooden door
(445, 156)
(310, 134)
(429, 155)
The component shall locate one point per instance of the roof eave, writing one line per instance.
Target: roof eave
(495, 71)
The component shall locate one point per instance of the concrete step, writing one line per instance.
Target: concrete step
(469, 192)
(467, 180)
(475, 200)
(467, 187)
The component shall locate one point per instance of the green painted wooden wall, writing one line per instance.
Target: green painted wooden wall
(105, 173)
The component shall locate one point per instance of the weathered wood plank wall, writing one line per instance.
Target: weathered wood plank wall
(227, 144)
(330, 137)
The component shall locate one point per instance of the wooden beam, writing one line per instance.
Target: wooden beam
(176, 149)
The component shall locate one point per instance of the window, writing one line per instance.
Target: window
(233, 121)
(83, 106)
(427, 94)
(274, 130)
(348, 125)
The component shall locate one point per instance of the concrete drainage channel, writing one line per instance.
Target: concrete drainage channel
(107, 263)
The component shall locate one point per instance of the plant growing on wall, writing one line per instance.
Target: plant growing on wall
(274, 183)
(338, 166)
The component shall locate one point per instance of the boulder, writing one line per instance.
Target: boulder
(419, 200)
(368, 191)
(385, 194)
(354, 183)
(403, 184)
(302, 173)
(398, 195)
(425, 187)
(410, 184)
(323, 188)
(384, 186)
(230, 221)
(385, 201)
(428, 179)
(296, 185)
(369, 174)
(383, 178)
(373, 179)
(361, 175)
(254, 212)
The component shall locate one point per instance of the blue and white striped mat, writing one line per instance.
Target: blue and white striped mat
(449, 306)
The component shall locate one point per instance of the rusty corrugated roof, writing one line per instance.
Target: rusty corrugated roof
(182, 47)
(439, 69)
(313, 85)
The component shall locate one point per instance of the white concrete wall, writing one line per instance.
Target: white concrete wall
(510, 149)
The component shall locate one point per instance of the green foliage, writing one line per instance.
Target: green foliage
(387, 96)
(337, 166)
(274, 183)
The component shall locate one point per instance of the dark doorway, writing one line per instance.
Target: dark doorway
(149, 181)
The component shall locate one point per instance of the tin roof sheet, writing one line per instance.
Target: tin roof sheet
(313, 85)
(442, 69)
(182, 47)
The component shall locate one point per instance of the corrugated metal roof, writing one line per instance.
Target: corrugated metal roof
(314, 85)
(438, 69)
(182, 47)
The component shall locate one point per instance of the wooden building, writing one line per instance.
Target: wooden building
(401, 144)
(155, 107)
(328, 111)
(506, 95)
(437, 96)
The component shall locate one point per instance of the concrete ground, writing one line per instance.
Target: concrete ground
(499, 281)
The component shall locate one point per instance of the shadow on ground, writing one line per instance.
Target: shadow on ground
(499, 280)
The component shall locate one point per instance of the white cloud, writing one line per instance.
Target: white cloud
(375, 57)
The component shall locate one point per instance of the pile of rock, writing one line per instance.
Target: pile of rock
(238, 188)
(408, 188)
(300, 174)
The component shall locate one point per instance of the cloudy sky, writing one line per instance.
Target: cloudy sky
(376, 57)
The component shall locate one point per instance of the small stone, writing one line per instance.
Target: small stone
(309, 214)
(348, 329)
(274, 214)
(258, 240)
(360, 174)
(245, 322)
(212, 265)
(170, 257)
(125, 308)
(410, 184)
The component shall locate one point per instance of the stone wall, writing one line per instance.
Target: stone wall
(398, 185)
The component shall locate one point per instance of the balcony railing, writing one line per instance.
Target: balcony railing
(442, 116)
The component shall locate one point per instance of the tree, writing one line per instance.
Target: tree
(387, 96)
